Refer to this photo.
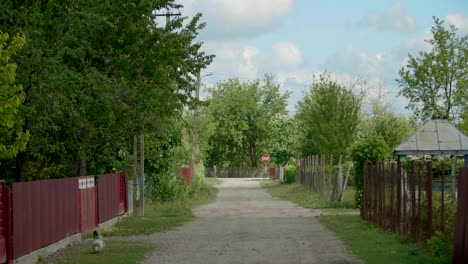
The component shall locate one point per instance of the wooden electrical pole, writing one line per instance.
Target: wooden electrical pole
(142, 172)
(195, 122)
(168, 16)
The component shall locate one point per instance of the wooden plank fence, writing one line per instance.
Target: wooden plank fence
(461, 239)
(412, 201)
(323, 177)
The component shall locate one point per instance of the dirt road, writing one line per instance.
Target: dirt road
(247, 225)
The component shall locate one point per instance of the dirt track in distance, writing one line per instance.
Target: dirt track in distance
(247, 225)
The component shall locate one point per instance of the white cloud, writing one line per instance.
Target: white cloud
(238, 19)
(248, 67)
(395, 19)
(233, 60)
(459, 20)
(286, 55)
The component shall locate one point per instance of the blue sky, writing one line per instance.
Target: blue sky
(362, 44)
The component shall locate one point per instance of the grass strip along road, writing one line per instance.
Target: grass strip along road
(370, 243)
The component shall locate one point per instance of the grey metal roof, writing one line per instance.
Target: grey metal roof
(436, 137)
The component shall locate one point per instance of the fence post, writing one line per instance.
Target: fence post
(413, 200)
(442, 200)
(461, 232)
(429, 198)
(398, 197)
(392, 197)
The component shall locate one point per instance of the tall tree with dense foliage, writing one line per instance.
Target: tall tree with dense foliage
(12, 137)
(379, 132)
(284, 138)
(240, 113)
(328, 116)
(435, 82)
(95, 74)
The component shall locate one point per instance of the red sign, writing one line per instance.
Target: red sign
(266, 158)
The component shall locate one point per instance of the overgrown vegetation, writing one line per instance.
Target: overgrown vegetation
(161, 216)
(375, 245)
(302, 196)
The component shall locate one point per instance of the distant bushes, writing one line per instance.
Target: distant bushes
(290, 174)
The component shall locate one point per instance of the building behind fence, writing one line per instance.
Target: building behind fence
(322, 177)
(37, 214)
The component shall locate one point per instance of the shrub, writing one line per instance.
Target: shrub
(437, 245)
(290, 174)
(373, 149)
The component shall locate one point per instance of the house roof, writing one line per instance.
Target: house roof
(436, 137)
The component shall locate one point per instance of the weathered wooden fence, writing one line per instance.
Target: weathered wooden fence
(416, 201)
(322, 177)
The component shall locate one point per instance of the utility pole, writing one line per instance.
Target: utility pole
(168, 15)
(195, 122)
(142, 171)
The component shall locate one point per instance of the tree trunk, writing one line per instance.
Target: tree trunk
(22, 159)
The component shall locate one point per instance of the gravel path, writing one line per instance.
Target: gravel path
(247, 225)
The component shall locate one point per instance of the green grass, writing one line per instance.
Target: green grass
(163, 216)
(374, 245)
(302, 196)
(115, 252)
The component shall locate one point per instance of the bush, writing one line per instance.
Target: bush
(290, 174)
(373, 149)
(437, 245)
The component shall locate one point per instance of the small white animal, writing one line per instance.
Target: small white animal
(98, 243)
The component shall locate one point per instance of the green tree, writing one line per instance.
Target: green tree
(383, 122)
(95, 74)
(379, 132)
(372, 148)
(328, 115)
(435, 81)
(240, 113)
(12, 137)
(284, 137)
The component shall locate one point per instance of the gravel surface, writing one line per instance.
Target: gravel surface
(247, 225)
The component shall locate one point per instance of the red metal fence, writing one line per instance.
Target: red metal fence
(3, 223)
(413, 201)
(43, 212)
(111, 196)
(461, 239)
(88, 204)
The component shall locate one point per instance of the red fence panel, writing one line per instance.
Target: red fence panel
(188, 174)
(88, 204)
(111, 198)
(43, 212)
(3, 223)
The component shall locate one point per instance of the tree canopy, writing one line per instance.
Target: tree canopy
(328, 114)
(240, 114)
(12, 137)
(435, 82)
(94, 75)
